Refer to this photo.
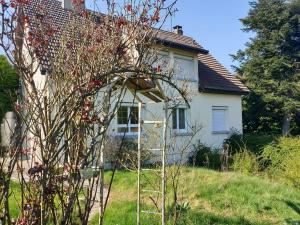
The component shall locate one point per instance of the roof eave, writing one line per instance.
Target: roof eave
(223, 91)
(172, 44)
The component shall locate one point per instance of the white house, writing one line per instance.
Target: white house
(216, 94)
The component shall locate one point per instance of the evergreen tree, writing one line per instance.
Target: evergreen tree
(270, 64)
(8, 86)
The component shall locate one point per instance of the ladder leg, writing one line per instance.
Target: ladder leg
(162, 171)
(164, 165)
(139, 163)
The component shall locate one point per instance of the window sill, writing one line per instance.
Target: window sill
(183, 134)
(221, 132)
(187, 79)
(131, 135)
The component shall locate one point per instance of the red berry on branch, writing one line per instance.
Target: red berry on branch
(129, 7)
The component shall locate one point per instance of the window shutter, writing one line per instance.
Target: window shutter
(174, 118)
(219, 120)
(184, 68)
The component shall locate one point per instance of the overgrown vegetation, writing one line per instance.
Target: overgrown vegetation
(205, 156)
(281, 160)
(275, 157)
(253, 142)
(214, 198)
(245, 162)
(266, 155)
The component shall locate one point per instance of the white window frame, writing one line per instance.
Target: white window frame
(129, 125)
(177, 130)
(225, 130)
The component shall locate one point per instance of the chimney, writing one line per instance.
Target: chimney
(178, 30)
(76, 5)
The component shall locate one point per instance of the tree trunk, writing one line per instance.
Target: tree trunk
(286, 125)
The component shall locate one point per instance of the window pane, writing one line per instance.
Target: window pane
(134, 119)
(174, 118)
(219, 120)
(122, 115)
(181, 119)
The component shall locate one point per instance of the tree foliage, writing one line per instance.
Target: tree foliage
(73, 83)
(8, 86)
(270, 64)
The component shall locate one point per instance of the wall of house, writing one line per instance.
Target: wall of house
(201, 110)
(198, 117)
(40, 81)
(7, 129)
(199, 114)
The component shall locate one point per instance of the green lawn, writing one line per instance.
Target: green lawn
(215, 198)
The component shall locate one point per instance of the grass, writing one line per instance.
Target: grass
(215, 198)
(15, 199)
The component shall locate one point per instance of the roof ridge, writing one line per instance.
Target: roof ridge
(164, 30)
(173, 33)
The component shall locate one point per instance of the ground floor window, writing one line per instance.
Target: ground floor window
(127, 120)
(179, 120)
(219, 119)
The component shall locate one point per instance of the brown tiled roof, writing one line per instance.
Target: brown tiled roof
(179, 41)
(58, 17)
(215, 78)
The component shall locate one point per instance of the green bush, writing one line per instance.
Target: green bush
(282, 159)
(206, 157)
(245, 162)
(236, 142)
(252, 142)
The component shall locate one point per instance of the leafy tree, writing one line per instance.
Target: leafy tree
(270, 64)
(260, 116)
(8, 85)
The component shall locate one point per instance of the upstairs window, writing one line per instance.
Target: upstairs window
(184, 68)
(127, 120)
(179, 124)
(219, 119)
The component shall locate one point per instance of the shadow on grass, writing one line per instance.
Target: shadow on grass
(124, 214)
(296, 208)
(212, 219)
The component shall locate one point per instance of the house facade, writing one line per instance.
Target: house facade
(214, 111)
(214, 108)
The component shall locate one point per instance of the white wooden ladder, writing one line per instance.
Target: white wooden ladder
(158, 190)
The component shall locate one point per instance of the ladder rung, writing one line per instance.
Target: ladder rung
(152, 191)
(150, 212)
(152, 122)
(155, 149)
(154, 170)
